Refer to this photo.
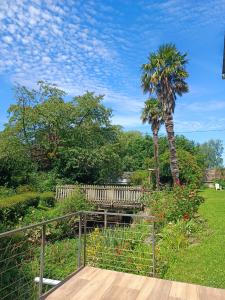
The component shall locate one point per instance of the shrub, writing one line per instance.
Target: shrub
(74, 203)
(16, 254)
(36, 215)
(190, 170)
(170, 206)
(14, 207)
(172, 239)
(44, 182)
(24, 188)
(140, 177)
(58, 254)
(57, 229)
(47, 199)
(4, 192)
(121, 249)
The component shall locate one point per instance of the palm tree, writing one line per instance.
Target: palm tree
(152, 114)
(164, 74)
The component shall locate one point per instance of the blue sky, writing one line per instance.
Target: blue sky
(100, 46)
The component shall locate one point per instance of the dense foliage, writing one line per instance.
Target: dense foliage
(170, 206)
(14, 207)
(52, 139)
(49, 209)
(47, 133)
(173, 238)
(191, 172)
(178, 224)
(124, 249)
(212, 152)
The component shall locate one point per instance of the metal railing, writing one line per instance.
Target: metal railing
(38, 256)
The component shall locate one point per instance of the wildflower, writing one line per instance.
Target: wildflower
(186, 217)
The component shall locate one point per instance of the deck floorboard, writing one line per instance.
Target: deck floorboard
(98, 284)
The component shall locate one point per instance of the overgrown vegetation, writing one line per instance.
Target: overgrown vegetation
(52, 139)
(20, 253)
(74, 203)
(173, 238)
(204, 262)
(125, 249)
(177, 225)
(170, 206)
(14, 207)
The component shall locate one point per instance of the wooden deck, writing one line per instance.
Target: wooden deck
(94, 284)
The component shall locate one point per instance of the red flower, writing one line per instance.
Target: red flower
(186, 217)
(177, 182)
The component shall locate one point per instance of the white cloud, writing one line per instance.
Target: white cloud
(207, 124)
(201, 106)
(127, 121)
(46, 59)
(74, 55)
(7, 39)
(78, 45)
(34, 11)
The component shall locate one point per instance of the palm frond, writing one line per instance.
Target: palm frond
(164, 74)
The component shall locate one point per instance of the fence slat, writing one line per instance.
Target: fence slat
(104, 195)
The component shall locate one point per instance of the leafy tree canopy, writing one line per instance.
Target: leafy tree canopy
(72, 140)
(212, 152)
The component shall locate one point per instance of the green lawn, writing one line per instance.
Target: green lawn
(204, 263)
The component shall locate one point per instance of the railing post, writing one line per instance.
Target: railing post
(42, 258)
(85, 238)
(153, 249)
(105, 218)
(79, 242)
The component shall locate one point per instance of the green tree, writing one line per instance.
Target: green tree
(212, 152)
(15, 163)
(72, 137)
(164, 74)
(191, 172)
(136, 149)
(38, 119)
(152, 114)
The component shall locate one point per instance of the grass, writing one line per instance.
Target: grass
(204, 263)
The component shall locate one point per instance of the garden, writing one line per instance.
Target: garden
(125, 246)
(51, 139)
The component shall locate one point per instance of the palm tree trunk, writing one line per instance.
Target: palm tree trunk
(172, 148)
(156, 157)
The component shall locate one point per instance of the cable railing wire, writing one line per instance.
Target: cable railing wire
(120, 242)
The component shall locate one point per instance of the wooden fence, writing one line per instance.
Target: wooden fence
(105, 196)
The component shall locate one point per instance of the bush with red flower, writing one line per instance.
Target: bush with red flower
(181, 202)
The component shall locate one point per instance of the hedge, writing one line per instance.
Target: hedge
(14, 207)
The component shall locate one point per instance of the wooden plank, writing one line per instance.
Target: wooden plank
(119, 293)
(146, 289)
(95, 289)
(69, 289)
(210, 293)
(95, 284)
(185, 291)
